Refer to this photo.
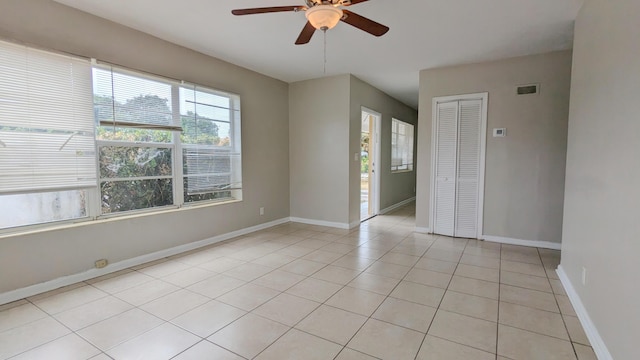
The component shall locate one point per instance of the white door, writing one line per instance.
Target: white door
(458, 167)
(446, 135)
(369, 164)
(468, 169)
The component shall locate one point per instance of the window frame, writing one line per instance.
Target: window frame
(115, 143)
(176, 146)
(235, 132)
(93, 194)
(395, 147)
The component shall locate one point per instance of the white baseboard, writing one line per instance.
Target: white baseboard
(395, 206)
(531, 243)
(322, 223)
(595, 339)
(32, 290)
(352, 225)
(423, 230)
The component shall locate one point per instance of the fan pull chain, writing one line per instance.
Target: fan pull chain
(325, 52)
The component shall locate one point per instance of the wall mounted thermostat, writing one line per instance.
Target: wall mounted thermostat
(499, 132)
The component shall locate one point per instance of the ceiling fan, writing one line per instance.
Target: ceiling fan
(323, 15)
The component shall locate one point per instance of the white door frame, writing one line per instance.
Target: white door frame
(483, 152)
(378, 145)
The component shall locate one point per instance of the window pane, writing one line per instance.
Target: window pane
(211, 146)
(209, 99)
(206, 161)
(136, 194)
(37, 208)
(205, 184)
(401, 146)
(204, 104)
(212, 112)
(204, 132)
(207, 170)
(123, 162)
(224, 132)
(217, 195)
(132, 99)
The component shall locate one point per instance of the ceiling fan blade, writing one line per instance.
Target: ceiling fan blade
(306, 34)
(353, 2)
(267, 10)
(364, 24)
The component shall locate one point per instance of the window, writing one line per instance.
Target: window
(135, 141)
(162, 143)
(210, 145)
(79, 141)
(47, 149)
(401, 146)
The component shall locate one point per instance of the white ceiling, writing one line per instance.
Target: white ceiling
(424, 34)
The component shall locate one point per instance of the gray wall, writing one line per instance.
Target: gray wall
(37, 257)
(602, 197)
(394, 188)
(524, 181)
(319, 149)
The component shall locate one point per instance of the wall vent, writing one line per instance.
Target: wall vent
(529, 89)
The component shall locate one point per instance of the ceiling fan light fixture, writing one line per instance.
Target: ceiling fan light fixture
(324, 17)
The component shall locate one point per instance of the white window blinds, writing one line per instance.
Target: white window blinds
(210, 141)
(46, 121)
(131, 100)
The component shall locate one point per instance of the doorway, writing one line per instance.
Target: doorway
(369, 164)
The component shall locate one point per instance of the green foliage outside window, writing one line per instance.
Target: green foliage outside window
(364, 164)
(364, 153)
(144, 164)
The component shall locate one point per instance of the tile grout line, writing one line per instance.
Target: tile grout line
(380, 231)
(86, 340)
(424, 338)
(138, 307)
(325, 304)
(58, 338)
(573, 346)
(281, 292)
(454, 312)
(251, 311)
(108, 294)
(376, 309)
(299, 321)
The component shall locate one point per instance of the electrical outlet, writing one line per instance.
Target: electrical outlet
(101, 263)
(584, 276)
(261, 211)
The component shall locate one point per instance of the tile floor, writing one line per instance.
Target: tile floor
(308, 292)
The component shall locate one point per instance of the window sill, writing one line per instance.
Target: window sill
(401, 171)
(70, 224)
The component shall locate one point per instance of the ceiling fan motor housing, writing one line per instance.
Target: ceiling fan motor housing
(312, 3)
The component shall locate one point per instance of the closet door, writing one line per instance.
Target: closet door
(468, 168)
(445, 169)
